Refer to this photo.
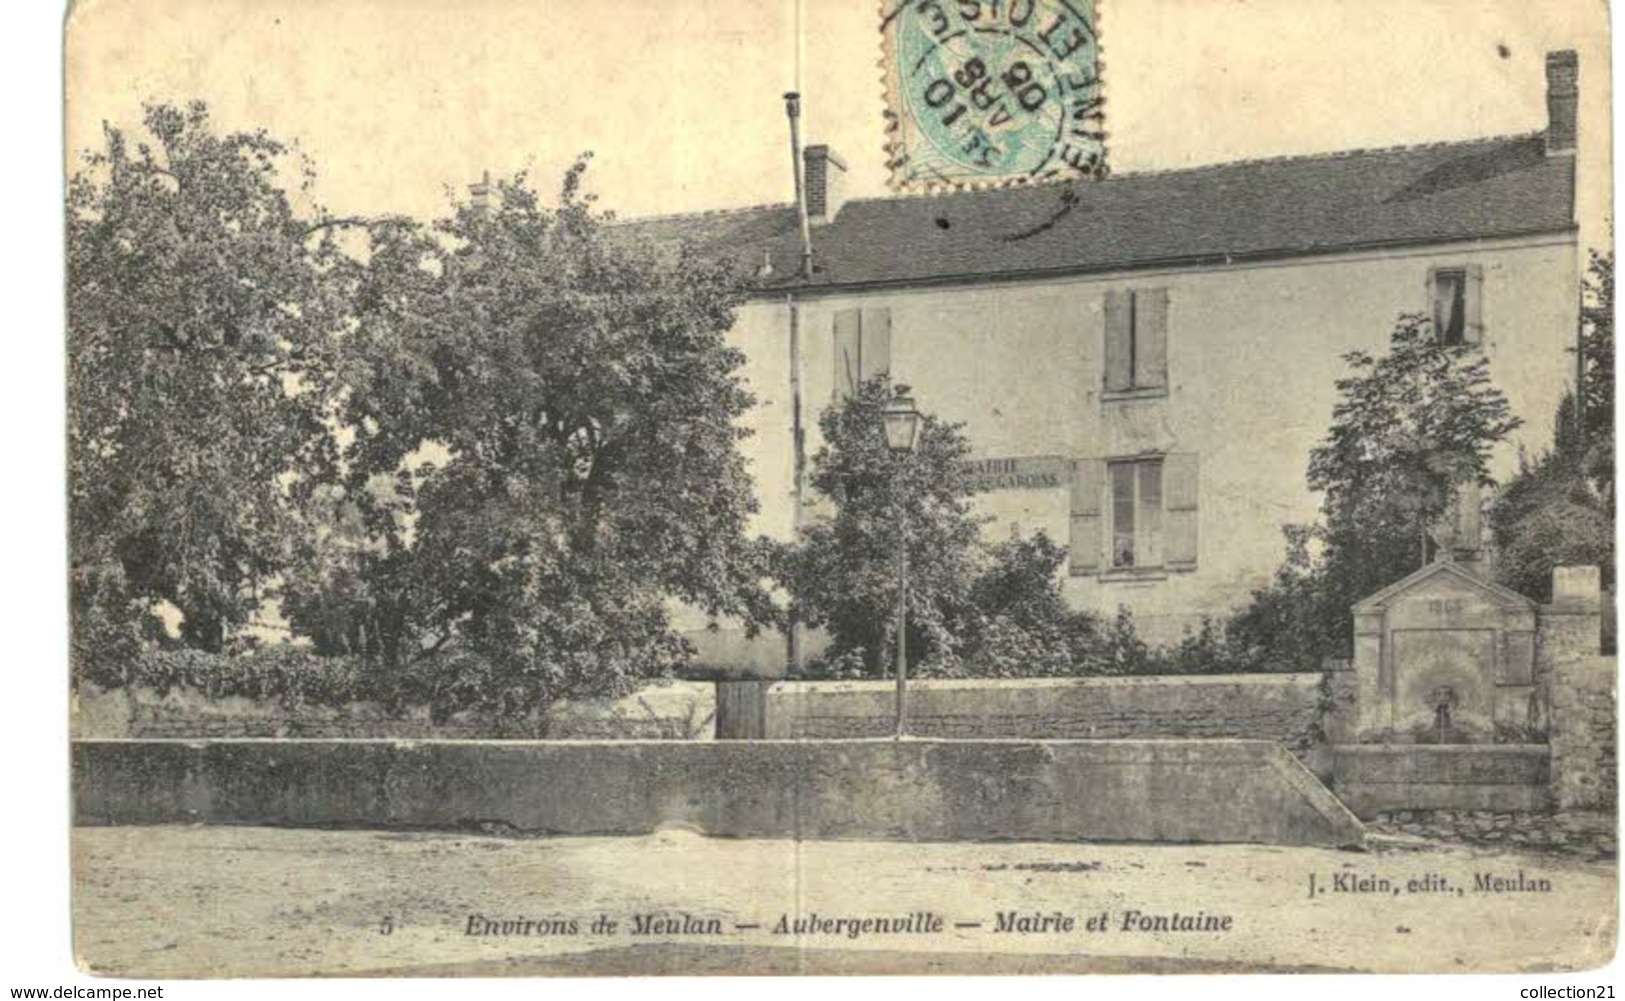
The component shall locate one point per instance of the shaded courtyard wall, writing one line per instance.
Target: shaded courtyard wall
(1192, 791)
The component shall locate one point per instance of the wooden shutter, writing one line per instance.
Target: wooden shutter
(875, 349)
(1472, 328)
(1119, 341)
(1151, 338)
(848, 351)
(1179, 495)
(1085, 545)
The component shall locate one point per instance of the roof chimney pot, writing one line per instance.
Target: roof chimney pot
(480, 192)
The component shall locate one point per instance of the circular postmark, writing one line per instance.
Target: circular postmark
(994, 89)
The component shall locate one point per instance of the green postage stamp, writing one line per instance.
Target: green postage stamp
(992, 91)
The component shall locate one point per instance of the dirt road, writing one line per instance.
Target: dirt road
(176, 901)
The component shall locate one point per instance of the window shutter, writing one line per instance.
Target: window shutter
(848, 350)
(1473, 316)
(1179, 492)
(1151, 338)
(876, 347)
(1084, 547)
(1119, 341)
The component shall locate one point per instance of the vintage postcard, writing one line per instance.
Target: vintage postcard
(825, 487)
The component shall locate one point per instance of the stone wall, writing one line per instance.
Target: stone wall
(1278, 707)
(1584, 755)
(673, 711)
(1587, 834)
(1581, 683)
(1378, 778)
(914, 790)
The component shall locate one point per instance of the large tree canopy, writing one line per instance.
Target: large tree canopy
(546, 451)
(203, 314)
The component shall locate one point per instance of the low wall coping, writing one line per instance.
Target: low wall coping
(1167, 744)
(1305, 678)
(1396, 750)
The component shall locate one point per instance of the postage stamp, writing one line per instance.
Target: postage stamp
(985, 92)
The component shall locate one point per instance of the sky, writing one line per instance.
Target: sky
(398, 101)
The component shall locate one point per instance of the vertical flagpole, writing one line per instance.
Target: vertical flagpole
(792, 108)
(801, 35)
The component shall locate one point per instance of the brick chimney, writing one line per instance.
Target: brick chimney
(1562, 100)
(826, 183)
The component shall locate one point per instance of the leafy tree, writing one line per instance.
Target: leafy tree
(1559, 509)
(1597, 376)
(1302, 617)
(976, 609)
(1016, 622)
(545, 455)
(1410, 431)
(1565, 527)
(203, 311)
(1597, 323)
(842, 573)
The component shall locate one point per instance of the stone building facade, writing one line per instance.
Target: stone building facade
(1143, 364)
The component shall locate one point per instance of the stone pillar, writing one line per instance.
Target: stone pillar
(1340, 717)
(1580, 683)
(1373, 718)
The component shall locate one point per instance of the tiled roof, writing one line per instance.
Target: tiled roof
(1249, 210)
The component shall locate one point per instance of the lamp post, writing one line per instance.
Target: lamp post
(901, 423)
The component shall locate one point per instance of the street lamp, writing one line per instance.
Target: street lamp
(900, 422)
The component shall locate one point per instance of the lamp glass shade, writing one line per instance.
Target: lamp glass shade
(901, 422)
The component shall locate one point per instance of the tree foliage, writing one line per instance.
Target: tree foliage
(1597, 375)
(1559, 509)
(843, 572)
(1409, 431)
(545, 454)
(1597, 378)
(203, 316)
(475, 461)
(976, 608)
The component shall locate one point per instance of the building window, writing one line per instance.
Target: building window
(1457, 295)
(1136, 513)
(1137, 340)
(1450, 305)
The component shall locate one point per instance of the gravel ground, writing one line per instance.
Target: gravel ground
(245, 901)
